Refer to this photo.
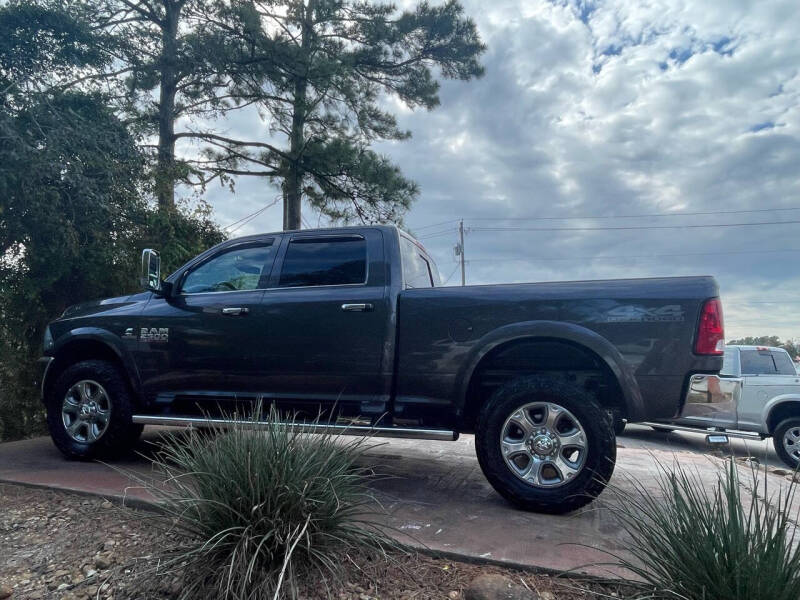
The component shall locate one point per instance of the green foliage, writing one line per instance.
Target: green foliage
(730, 540)
(73, 221)
(320, 72)
(73, 186)
(769, 340)
(181, 234)
(323, 71)
(39, 43)
(68, 202)
(252, 510)
(341, 171)
(175, 51)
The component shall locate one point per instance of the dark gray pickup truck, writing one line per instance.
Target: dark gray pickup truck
(351, 324)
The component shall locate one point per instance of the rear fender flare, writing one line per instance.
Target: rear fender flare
(569, 332)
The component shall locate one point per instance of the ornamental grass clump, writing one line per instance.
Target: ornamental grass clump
(256, 510)
(727, 539)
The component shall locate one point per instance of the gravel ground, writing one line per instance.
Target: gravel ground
(69, 547)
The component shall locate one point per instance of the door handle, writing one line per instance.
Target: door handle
(362, 307)
(235, 311)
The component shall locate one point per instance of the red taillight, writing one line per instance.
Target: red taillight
(710, 331)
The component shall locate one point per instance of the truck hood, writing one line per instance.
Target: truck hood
(96, 306)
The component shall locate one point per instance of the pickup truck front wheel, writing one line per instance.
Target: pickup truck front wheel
(786, 439)
(544, 445)
(89, 410)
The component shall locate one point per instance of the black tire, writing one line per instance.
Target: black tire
(120, 434)
(601, 451)
(792, 423)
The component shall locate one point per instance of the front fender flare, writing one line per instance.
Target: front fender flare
(556, 330)
(97, 335)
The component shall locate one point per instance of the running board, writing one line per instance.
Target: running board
(745, 435)
(363, 430)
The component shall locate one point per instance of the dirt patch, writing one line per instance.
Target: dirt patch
(60, 545)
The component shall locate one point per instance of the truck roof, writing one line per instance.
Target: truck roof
(325, 230)
(742, 347)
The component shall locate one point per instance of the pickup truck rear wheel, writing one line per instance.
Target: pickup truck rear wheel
(544, 445)
(89, 410)
(786, 439)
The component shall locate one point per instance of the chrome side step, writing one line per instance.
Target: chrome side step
(343, 429)
(745, 435)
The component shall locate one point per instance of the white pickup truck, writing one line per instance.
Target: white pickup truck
(756, 395)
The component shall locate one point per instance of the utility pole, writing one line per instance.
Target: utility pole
(460, 251)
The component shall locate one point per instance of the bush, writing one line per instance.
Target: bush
(257, 509)
(702, 542)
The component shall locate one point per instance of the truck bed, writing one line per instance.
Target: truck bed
(650, 323)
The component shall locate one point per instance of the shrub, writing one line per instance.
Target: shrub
(728, 540)
(259, 508)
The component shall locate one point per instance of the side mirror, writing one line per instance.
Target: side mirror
(151, 270)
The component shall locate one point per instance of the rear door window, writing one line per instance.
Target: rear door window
(340, 260)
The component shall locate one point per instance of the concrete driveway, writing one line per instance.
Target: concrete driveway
(643, 437)
(437, 495)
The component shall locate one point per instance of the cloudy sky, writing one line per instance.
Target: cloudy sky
(591, 113)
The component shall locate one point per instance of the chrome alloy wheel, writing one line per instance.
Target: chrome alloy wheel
(791, 442)
(543, 444)
(86, 411)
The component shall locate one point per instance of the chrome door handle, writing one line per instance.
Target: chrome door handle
(362, 307)
(234, 311)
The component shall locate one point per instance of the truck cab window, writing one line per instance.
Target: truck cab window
(234, 270)
(757, 362)
(783, 363)
(325, 261)
(417, 272)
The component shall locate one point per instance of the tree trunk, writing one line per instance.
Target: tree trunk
(165, 171)
(293, 184)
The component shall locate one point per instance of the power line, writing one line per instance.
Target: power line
(449, 277)
(636, 216)
(632, 227)
(748, 303)
(245, 220)
(245, 217)
(627, 256)
(437, 234)
(436, 224)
